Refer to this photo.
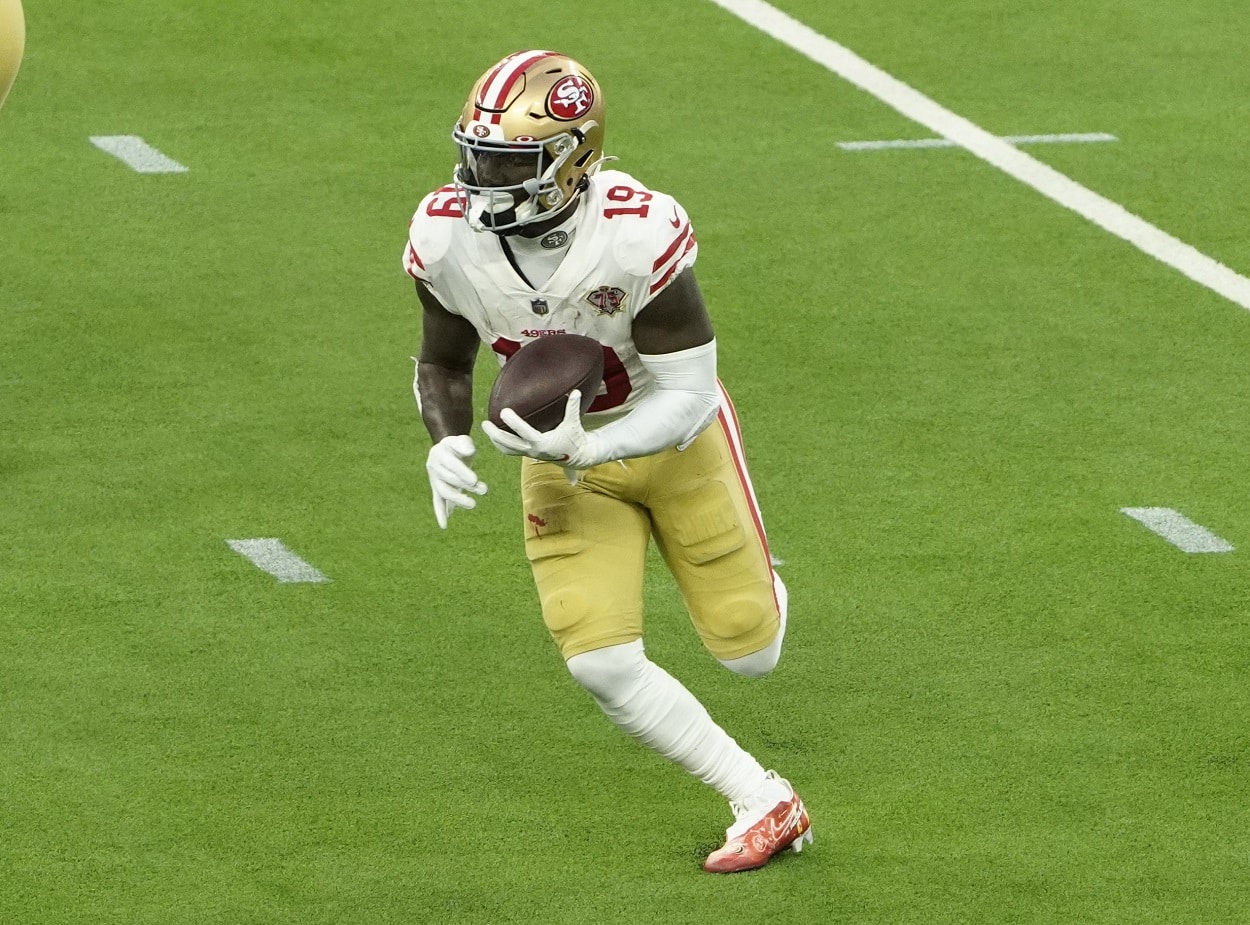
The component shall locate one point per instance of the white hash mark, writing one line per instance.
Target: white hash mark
(1178, 529)
(137, 154)
(270, 555)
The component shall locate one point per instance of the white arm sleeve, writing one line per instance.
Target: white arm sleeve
(685, 401)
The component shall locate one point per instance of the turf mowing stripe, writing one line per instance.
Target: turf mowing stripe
(270, 555)
(992, 149)
(1069, 138)
(1178, 529)
(137, 154)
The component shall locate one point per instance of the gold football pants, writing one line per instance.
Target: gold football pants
(12, 40)
(587, 544)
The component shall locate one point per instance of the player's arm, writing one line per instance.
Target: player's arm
(676, 343)
(444, 390)
(674, 320)
(444, 383)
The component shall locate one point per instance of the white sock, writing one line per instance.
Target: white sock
(652, 706)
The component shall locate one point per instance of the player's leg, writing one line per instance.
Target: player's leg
(709, 530)
(587, 547)
(651, 705)
(12, 41)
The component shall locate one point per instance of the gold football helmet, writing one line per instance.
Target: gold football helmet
(529, 135)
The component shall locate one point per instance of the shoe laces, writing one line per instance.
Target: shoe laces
(742, 821)
(748, 812)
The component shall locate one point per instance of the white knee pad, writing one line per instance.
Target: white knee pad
(610, 674)
(763, 661)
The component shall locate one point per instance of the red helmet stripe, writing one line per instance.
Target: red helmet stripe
(499, 83)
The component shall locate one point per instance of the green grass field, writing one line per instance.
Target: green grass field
(1003, 700)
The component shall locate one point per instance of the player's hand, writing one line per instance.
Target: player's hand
(568, 444)
(450, 476)
(504, 442)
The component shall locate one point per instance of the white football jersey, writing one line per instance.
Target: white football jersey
(628, 244)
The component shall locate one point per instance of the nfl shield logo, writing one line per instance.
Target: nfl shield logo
(539, 307)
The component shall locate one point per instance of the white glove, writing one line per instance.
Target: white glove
(451, 477)
(569, 444)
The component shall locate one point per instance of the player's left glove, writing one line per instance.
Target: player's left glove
(569, 444)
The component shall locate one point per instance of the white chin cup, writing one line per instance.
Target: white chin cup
(492, 203)
(482, 205)
(526, 211)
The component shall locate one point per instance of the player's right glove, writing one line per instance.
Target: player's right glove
(450, 476)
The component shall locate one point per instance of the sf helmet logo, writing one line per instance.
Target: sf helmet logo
(570, 98)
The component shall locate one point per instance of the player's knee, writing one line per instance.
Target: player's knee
(745, 617)
(610, 674)
(761, 629)
(738, 621)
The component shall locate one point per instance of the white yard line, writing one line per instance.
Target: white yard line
(993, 150)
(1178, 529)
(1066, 138)
(137, 154)
(270, 555)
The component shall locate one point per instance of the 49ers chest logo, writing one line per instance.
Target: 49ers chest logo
(607, 300)
(570, 98)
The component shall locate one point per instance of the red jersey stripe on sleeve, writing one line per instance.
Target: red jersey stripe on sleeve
(663, 280)
(672, 248)
(412, 263)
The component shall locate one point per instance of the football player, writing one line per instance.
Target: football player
(12, 40)
(532, 237)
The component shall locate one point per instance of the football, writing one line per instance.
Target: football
(537, 379)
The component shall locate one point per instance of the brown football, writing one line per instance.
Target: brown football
(537, 379)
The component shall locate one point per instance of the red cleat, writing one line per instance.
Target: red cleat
(755, 837)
